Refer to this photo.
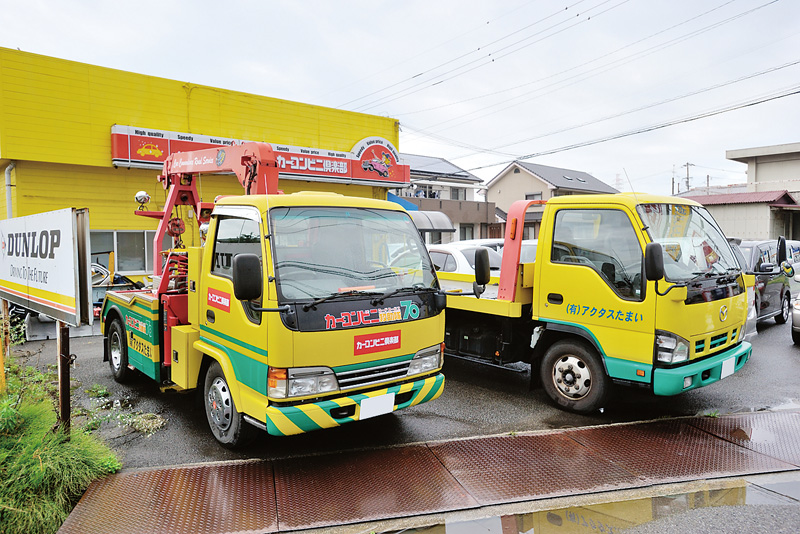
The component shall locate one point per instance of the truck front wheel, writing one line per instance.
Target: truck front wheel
(573, 377)
(118, 352)
(225, 421)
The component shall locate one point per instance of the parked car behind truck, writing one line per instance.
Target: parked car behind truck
(773, 294)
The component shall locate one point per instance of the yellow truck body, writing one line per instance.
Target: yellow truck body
(585, 314)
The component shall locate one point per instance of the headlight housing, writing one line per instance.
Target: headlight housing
(670, 348)
(300, 381)
(426, 360)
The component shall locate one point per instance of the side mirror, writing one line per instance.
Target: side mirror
(781, 250)
(247, 283)
(653, 261)
(766, 267)
(482, 266)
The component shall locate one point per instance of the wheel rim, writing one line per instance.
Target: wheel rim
(220, 404)
(571, 377)
(785, 309)
(116, 350)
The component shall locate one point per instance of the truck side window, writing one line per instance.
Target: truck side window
(234, 236)
(603, 240)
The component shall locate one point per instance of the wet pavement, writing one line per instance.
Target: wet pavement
(669, 475)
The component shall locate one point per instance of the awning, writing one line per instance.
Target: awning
(409, 206)
(432, 221)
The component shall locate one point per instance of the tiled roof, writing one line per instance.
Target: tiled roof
(562, 178)
(760, 197)
(436, 168)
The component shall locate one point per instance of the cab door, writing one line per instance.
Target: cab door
(226, 323)
(592, 281)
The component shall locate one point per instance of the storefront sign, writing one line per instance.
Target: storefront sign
(44, 264)
(373, 161)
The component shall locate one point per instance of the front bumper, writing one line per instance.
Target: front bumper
(707, 371)
(285, 421)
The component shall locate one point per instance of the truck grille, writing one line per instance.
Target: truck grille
(372, 375)
(715, 342)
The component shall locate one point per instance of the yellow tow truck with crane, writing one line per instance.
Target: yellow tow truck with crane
(300, 311)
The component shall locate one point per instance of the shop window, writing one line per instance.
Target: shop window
(126, 251)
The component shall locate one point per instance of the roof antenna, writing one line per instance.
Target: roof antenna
(633, 192)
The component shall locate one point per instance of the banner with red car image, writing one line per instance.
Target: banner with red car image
(372, 161)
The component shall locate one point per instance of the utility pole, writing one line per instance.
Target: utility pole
(673, 180)
(687, 173)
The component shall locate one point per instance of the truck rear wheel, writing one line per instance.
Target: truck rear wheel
(224, 420)
(573, 377)
(118, 352)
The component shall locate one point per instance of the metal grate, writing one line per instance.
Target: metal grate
(774, 434)
(372, 375)
(673, 451)
(508, 469)
(206, 499)
(335, 489)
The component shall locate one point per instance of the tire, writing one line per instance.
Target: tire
(783, 316)
(226, 423)
(117, 346)
(574, 378)
(795, 337)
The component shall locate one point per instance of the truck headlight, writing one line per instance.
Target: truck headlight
(426, 360)
(671, 348)
(300, 381)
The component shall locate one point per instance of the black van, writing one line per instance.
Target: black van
(764, 259)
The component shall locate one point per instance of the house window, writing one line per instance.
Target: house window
(458, 193)
(131, 250)
(435, 238)
(424, 191)
(466, 231)
(533, 196)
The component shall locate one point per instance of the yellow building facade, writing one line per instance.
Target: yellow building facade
(56, 119)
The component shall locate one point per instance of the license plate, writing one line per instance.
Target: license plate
(375, 406)
(727, 368)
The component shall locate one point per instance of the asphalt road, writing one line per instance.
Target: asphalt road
(477, 400)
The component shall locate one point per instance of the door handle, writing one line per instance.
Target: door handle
(210, 316)
(555, 298)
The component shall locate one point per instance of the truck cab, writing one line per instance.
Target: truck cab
(589, 313)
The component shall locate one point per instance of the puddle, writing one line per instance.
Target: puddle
(789, 405)
(612, 518)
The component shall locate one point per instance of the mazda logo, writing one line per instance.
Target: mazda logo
(723, 313)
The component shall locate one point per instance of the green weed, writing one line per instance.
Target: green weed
(43, 472)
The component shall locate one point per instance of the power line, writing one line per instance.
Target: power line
(460, 120)
(487, 60)
(790, 92)
(395, 64)
(598, 58)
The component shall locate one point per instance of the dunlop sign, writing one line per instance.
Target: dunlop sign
(44, 264)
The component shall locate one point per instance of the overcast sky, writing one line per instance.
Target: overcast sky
(479, 83)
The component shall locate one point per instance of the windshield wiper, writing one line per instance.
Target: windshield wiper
(338, 294)
(393, 292)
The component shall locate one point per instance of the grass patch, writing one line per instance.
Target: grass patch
(43, 472)
(97, 391)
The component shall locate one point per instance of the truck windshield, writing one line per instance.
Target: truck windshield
(693, 244)
(324, 251)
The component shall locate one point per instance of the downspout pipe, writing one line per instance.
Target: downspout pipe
(9, 168)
